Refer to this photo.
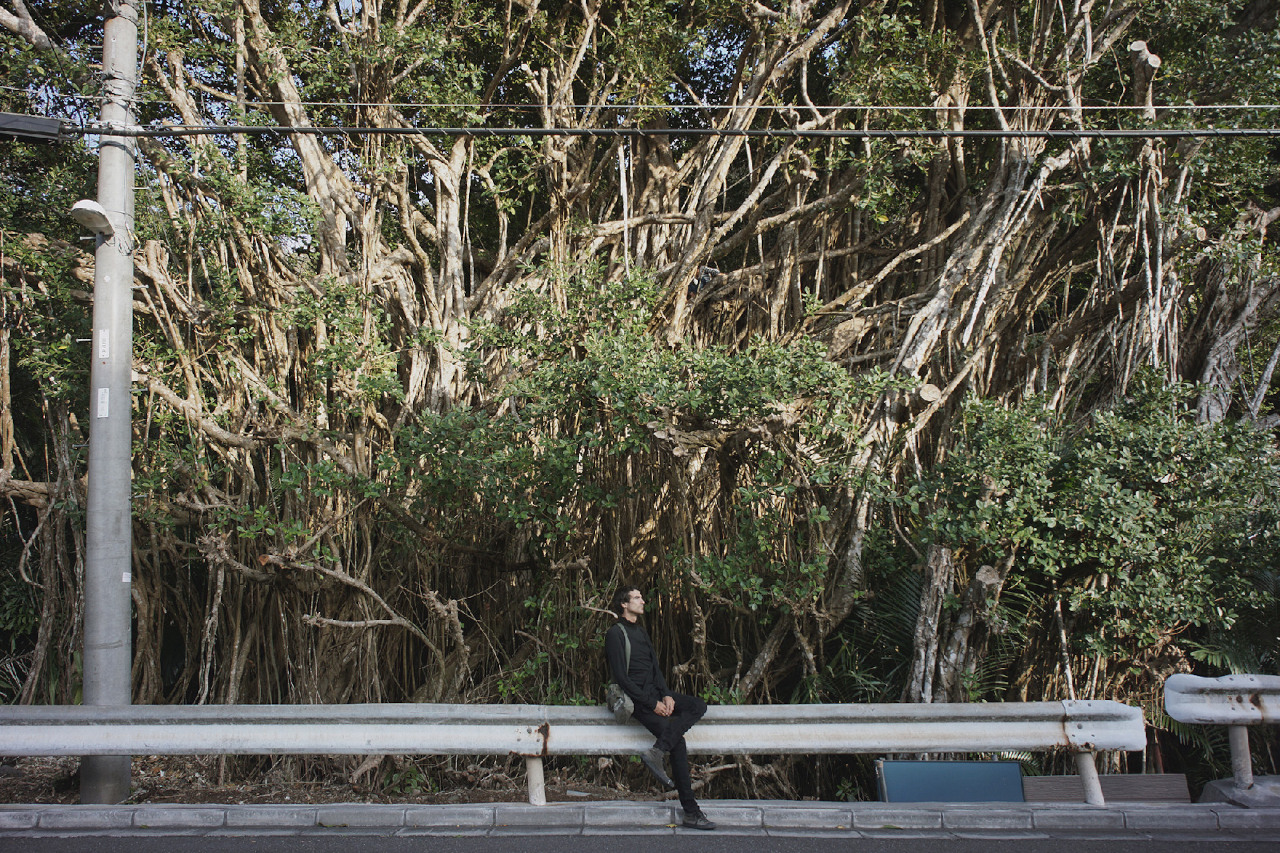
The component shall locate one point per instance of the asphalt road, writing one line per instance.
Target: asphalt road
(682, 843)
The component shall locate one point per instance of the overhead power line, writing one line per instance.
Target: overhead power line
(763, 108)
(626, 132)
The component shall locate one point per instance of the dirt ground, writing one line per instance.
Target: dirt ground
(194, 779)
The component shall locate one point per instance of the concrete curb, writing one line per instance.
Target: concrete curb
(737, 817)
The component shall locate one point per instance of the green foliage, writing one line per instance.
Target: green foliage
(1192, 515)
(994, 486)
(598, 392)
(752, 573)
(19, 612)
(354, 355)
(784, 418)
(49, 352)
(591, 363)
(19, 623)
(878, 62)
(40, 182)
(1208, 58)
(559, 669)
(407, 779)
(1153, 525)
(1251, 644)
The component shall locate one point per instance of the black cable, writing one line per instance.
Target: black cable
(610, 132)
(763, 108)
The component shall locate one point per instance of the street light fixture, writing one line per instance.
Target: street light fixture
(92, 216)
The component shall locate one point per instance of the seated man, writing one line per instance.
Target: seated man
(666, 714)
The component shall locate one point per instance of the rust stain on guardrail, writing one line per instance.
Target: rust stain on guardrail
(544, 732)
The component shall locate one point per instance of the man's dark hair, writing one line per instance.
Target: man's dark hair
(620, 598)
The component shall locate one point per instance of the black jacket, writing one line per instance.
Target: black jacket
(643, 680)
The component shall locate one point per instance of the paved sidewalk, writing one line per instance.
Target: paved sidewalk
(738, 817)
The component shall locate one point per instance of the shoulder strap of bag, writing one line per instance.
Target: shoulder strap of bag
(626, 642)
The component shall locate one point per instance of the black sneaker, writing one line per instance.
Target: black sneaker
(697, 820)
(652, 758)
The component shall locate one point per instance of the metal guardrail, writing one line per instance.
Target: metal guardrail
(538, 731)
(1235, 701)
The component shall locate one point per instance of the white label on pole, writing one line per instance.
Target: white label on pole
(126, 577)
(104, 344)
(104, 397)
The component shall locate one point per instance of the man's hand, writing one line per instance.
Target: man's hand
(666, 707)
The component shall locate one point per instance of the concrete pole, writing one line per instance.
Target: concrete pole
(1241, 757)
(1088, 771)
(108, 647)
(537, 781)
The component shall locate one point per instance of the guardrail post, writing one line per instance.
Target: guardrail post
(537, 784)
(1089, 779)
(1241, 760)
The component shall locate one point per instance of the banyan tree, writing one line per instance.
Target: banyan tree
(555, 295)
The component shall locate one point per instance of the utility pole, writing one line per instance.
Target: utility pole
(108, 646)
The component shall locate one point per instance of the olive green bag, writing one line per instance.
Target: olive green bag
(615, 698)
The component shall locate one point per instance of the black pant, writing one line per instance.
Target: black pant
(670, 734)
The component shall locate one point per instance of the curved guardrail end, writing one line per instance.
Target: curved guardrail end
(1242, 699)
(1099, 724)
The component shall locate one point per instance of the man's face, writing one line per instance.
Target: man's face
(634, 605)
